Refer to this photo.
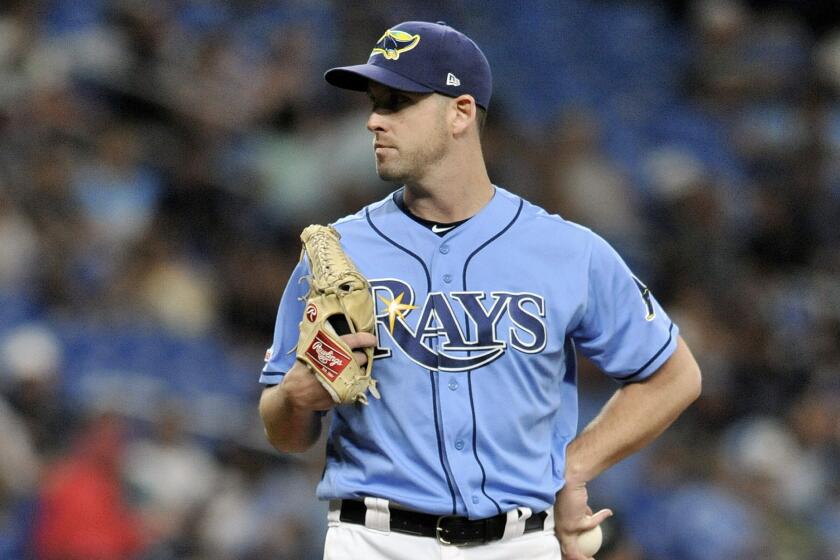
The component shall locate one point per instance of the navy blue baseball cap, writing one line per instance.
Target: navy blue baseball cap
(422, 57)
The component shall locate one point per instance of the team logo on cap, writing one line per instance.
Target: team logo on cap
(394, 42)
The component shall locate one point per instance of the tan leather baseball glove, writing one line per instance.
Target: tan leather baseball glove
(339, 302)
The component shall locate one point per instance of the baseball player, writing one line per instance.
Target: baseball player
(482, 300)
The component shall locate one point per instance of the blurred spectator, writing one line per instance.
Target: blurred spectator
(45, 195)
(171, 477)
(117, 194)
(696, 244)
(760, 459)
(20, 247)
(713, 339)
(19, 463)
(82, 514)
(178, 292)
(260, 513)
(827, 60)
(30, 363)
(813, 420)
(587, 188)
(743, 55)
(245, 298)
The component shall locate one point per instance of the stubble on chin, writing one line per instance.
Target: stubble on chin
(408, 165)
(391, 172)
(408, 169)
(389, 175)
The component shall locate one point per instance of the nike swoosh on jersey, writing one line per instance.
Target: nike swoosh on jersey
(437, 229)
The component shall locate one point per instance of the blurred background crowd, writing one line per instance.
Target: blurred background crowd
(158, 159)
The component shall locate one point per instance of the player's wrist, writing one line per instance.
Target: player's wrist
(582, 461)
(577, 474)
(301, 394)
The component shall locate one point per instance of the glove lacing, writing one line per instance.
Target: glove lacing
(329, 274)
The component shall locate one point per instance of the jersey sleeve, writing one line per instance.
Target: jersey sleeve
(623, 330)
(280, 357)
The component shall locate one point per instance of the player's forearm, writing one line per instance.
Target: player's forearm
(288, 428)
(636, 415)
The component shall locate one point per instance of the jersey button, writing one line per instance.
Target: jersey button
(447, 278)
(444, 249)
(459, 445)
(475, 499)
(453, 385)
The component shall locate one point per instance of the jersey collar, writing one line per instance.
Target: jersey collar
(438, 228)
(496, 215)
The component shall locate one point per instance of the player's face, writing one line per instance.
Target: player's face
(409, 132)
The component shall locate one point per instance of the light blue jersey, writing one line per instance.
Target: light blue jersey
(475, 362)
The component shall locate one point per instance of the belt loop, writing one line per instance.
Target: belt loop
(515, 524)
(334, 515)
(378, 515)
(548, 524)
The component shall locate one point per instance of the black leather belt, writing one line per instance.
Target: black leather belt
(448, 529)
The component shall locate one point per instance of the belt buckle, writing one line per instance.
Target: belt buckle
(439, 530)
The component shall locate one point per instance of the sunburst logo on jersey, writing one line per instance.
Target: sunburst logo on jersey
(396, 308)
(395, 42)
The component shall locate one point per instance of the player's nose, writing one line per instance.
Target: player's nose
(375, 122)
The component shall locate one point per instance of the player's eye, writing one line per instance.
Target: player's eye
(390, 102)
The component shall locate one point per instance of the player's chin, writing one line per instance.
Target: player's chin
(388, 173)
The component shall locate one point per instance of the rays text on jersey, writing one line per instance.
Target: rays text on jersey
(435, 339)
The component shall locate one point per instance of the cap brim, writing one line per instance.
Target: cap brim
(357, 78)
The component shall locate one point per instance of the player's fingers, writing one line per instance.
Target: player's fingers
(568, 546)
(593, 520)
(359, 340)
(361, 357)
(570, 550)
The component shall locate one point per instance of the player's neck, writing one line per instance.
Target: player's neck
(450, 193)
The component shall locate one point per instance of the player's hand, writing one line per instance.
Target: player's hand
(573, 516)
(303, 390)
(360, 340)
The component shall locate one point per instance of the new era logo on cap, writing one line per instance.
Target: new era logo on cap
(451, 80)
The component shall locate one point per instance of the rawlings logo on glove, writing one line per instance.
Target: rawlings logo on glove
(329, 360)
(339, 302)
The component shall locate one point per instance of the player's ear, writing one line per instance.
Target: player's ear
(464, 113)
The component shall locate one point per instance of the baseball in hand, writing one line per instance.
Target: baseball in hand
(590, 541)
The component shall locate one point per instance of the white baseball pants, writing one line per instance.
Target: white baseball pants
(375, 540)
